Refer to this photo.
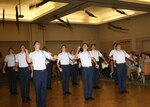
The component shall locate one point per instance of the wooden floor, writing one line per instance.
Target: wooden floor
(107, 96)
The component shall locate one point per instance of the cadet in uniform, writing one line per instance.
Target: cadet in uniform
(96, 54)
(86, 59)
(74, 68)
(24, 74)
(38, 59)
(119, 58)
(64, 60)
(49, 70)
(113, 69)
(10, 62)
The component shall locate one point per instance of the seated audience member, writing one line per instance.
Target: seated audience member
(131, 67)
(141, 64)
(147, 58)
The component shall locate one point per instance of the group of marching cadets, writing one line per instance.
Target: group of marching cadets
(20, 63)
(67, 63)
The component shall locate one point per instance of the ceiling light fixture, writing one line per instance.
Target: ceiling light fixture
(144, 0)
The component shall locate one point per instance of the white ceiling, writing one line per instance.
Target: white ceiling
(73, 10)
(29, 14)
(103, 15)
(138, 1)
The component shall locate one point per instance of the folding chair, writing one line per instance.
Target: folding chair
(146, 71)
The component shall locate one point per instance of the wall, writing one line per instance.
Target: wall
(11, 37)
(54, 35)
(51, 35)
(58, 35)
(139, 29)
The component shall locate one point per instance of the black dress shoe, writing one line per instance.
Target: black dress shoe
(91, 98)
(65, 93)
(23, 100)
(87, 99)
(49, 88)
(14, 93)
(123, 92)
(68, 93)
(74, 84)
(96, 87)
(28, 99)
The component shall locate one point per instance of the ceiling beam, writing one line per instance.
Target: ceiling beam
(63, 11)
(67, 1)
(121, 5)
(76, 5)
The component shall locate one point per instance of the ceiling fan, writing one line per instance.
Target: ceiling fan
(31, 6)
(90, 14)
(3, 17)
(20, 15)
(117, 28)
(17, 17)
(64, 23)
(120, 11)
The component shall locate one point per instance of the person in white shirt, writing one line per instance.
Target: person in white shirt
(10, 69)
(86, 59)
(49, 70)
(120, 64)
(63, 64)
(24, 74)
(96, 54)
(74, 68)
(38, 60)
(113, 69)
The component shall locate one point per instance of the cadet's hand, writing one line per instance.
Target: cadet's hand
(111, 58)
(15, 69)
(3, 71)
(55, 57)
(26, 51)
(105, 62)
(60, 69)
(97, 66)
(79, 48)
(31, 75)
(71, 62)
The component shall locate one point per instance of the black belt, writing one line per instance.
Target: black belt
(40, 70)
(23, 67)
(65, 65)
(87, 67)
(11, 67)
(120, 63)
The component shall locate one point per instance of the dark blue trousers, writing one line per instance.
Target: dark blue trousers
(115, 75)
(49, 75)
(65, 77)
(95, 76)
(74, 73)
(12, 80)
(40, 83)
(24, 78)
(87, 78)
(121, 71)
